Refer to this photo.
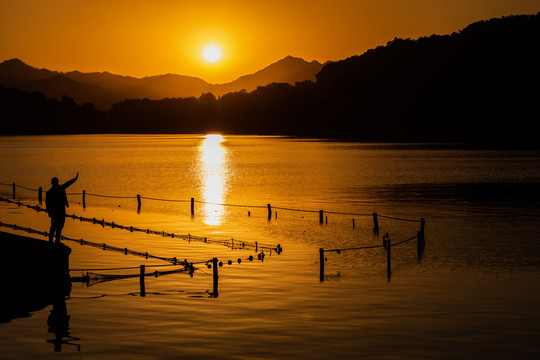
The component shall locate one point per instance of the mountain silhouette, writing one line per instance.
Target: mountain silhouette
(14, 70)
(287, 70)
(104, 89)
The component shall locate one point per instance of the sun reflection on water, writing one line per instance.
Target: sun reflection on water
(214, 174)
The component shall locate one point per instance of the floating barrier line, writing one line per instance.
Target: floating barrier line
(353, 214)
(92, 278)
(404, 241)
(232, 205)
(102, 246)
(192, 200)
(387, 244)
(354, 248)
(239, 260)
(106, 196)
(371, 247)
(233, 244)
(156, 199)
(298, 210)
(395, 218)
(22, 187)
(18, 203)
(125, 268)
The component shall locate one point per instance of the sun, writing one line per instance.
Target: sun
(211, 53)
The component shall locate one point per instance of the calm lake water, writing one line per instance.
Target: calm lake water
(475, 293)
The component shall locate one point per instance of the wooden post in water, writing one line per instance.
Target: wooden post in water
(13, 191)
(269, 211)
(388, 259)
(375, 224)
(420, 243)
(141, 281)
(192, 207)
(321, 260)
(321, 216)
(40, 195)
(216, 277)
(84, 199)
(353, 223)
(138, 202)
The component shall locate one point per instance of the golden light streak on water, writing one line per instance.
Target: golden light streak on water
(214, 175)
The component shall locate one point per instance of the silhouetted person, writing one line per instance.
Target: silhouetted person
(56, 203)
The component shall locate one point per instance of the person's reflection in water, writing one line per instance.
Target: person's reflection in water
(58, 324)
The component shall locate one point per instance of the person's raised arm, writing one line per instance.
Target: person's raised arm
(70, 182)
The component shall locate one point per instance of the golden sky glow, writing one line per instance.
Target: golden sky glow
(142, 38)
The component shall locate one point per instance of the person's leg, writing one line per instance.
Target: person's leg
(52, 231)
(59, 227)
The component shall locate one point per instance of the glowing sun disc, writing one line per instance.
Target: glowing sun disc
(211, 53)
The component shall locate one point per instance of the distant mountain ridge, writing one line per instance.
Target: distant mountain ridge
(104, 89)
(288, 70)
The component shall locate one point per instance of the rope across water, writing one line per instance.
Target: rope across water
(219, 204)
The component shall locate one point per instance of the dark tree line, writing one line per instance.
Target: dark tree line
(479, 85)
(34, 113)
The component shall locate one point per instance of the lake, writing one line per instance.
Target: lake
(473, 294)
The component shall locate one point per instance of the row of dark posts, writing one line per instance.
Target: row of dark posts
(387, 243)
(322, 218)
(40, 193)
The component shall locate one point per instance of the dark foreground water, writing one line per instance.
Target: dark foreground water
(475, 293)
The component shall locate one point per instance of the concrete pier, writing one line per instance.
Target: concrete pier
(33, 274)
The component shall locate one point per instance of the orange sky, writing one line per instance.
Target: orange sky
(141, 38)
